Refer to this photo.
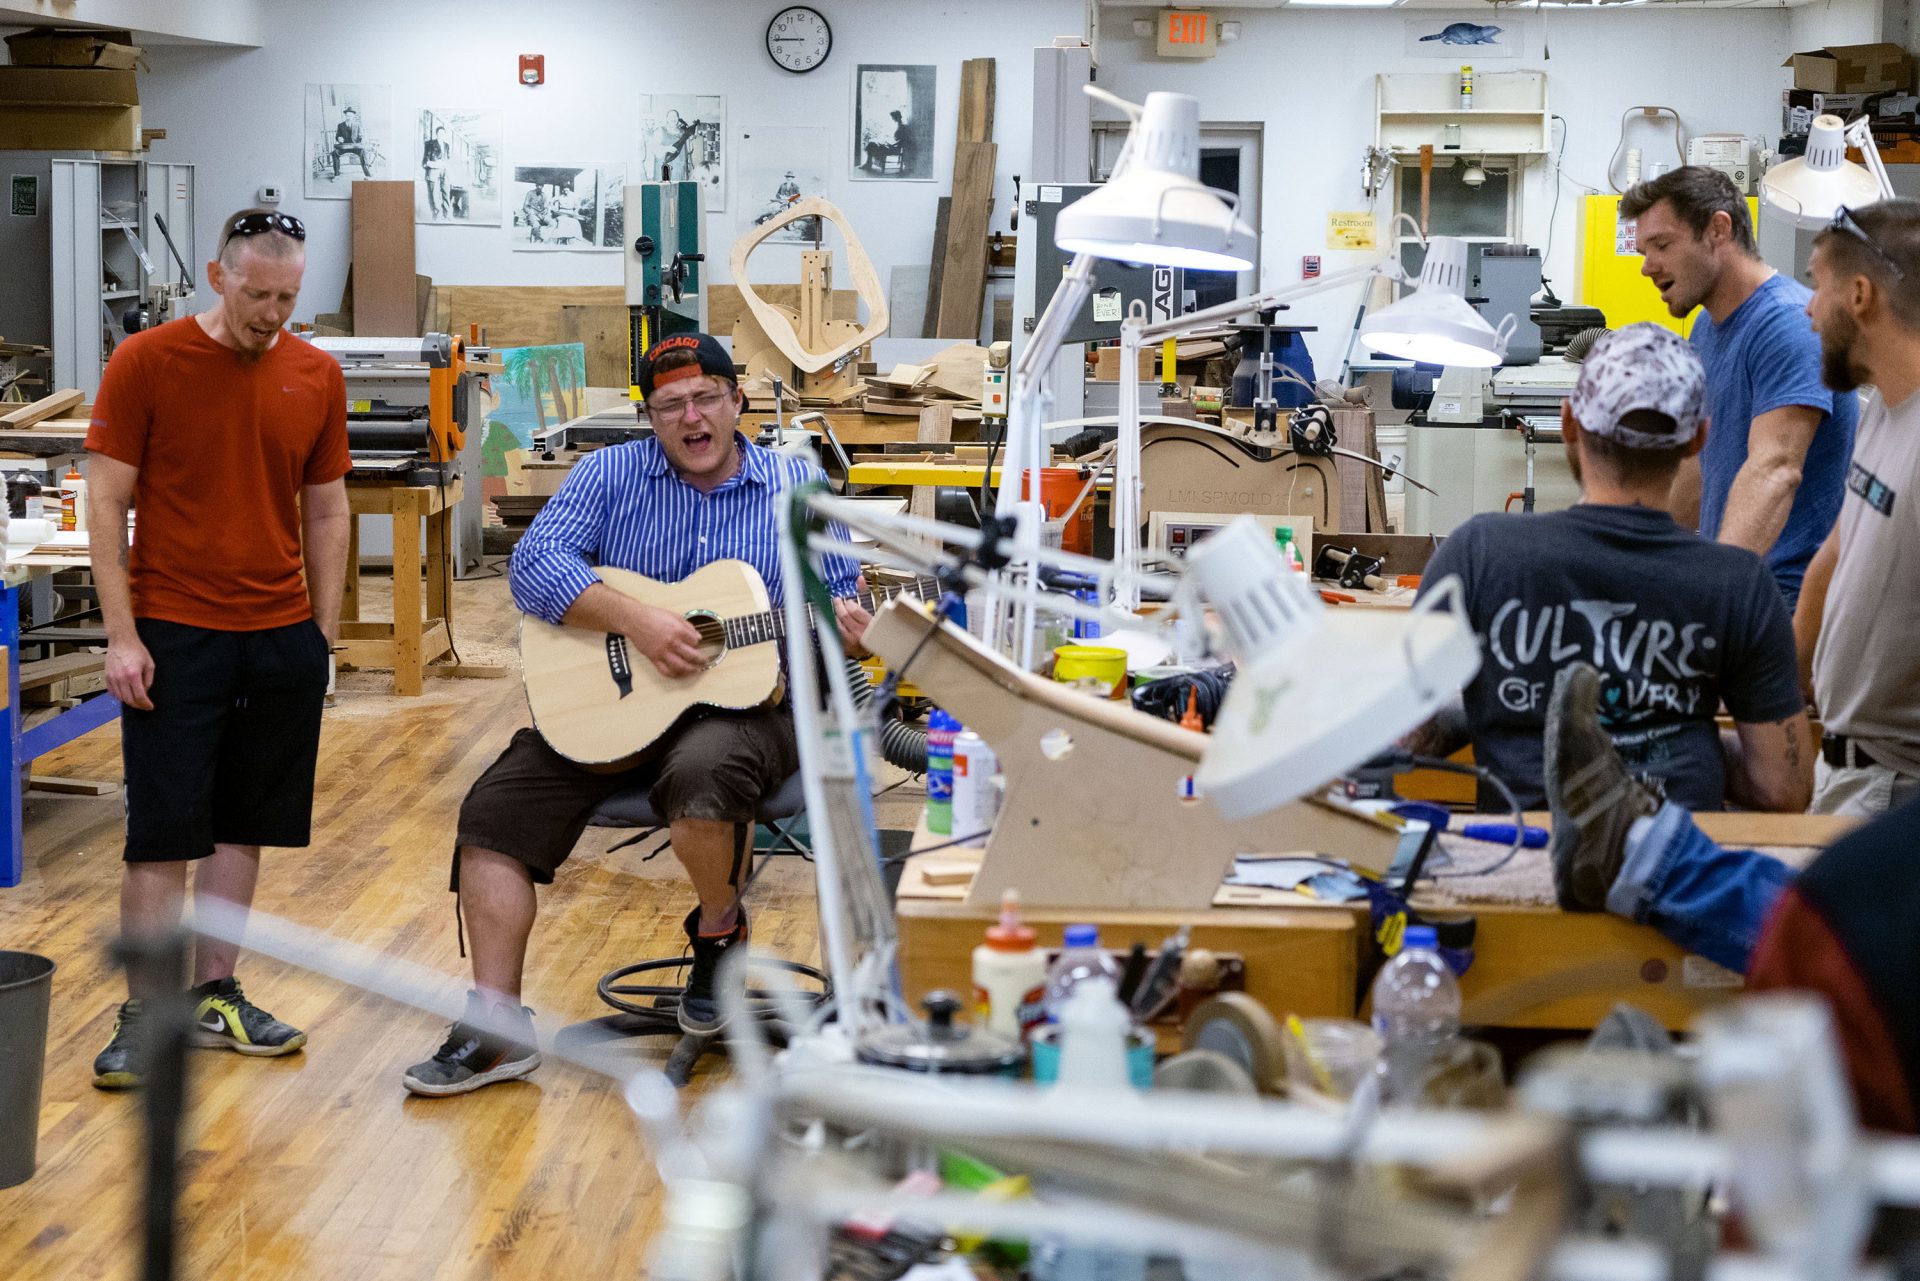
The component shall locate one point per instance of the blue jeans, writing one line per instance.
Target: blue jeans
(1711, 901)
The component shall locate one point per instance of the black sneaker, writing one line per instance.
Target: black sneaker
(471, 1058)
(1593, 798)
(225, 1019)
(700, 1011)
(118, 1066)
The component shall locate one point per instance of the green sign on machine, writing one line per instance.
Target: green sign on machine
(26, 196)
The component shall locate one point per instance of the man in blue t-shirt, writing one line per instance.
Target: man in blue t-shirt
(1775, 466)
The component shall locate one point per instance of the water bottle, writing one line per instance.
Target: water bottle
(942, 729)
(1416, 1011)
(1081, 959)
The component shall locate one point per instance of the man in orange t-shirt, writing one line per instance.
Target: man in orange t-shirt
(230, 437)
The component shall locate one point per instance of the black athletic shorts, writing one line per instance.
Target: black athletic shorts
(532, 803)
(227, 754)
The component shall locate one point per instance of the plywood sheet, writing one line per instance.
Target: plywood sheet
(605, 332)
(522, 315)
(384, 295)
(725, 306)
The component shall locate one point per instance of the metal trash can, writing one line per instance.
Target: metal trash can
(26, 989)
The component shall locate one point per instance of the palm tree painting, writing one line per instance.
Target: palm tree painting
(541, 388)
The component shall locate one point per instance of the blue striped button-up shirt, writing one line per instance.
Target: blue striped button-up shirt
(625, 506)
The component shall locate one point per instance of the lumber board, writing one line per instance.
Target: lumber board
(46, 407)
(385, 300)
(522, 315)
(963, 279)
(937, 268)
(976, 100)
(605, 332)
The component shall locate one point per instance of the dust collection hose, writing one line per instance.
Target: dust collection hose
(901, 744)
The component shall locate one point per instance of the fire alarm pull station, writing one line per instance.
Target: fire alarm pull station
(533, 68)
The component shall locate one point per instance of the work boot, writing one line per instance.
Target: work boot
(1593, 798)
(700, 1010)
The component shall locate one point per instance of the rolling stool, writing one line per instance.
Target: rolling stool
(647, 1009)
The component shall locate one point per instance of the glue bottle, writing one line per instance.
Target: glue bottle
(1191, 719)
(1009, 975)
(1283, 539)
(73, 500)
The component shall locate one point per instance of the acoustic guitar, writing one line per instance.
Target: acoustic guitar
(598, 701)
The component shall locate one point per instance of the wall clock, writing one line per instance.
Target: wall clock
(798, 38)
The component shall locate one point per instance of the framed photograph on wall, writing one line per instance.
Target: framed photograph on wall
(893, 123)
(682, 138)
(349, 135)
(457, 151)
(568, 206)
(778, 165)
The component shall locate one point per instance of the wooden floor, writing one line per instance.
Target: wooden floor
(320, 1165)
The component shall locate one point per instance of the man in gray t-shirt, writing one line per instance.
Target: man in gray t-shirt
(1858, 624)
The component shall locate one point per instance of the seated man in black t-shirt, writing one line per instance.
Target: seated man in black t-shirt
(1675, 625)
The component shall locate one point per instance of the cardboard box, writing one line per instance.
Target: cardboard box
(55, 47)
(68, 128)
(1853, 68)
(1106, 368)
(67, 87)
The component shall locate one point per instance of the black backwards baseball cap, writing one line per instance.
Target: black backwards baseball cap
(706, 349)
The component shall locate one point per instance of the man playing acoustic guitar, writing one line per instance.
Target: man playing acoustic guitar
(697, 492)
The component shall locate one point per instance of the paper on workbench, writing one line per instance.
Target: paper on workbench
(1275, 873)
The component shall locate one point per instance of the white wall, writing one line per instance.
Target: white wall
(1830, 22)
(237, 114)
(1307, 75)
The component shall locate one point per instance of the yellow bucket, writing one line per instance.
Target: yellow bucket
(1099, 669)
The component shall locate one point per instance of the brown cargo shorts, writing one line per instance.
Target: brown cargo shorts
(532, 803)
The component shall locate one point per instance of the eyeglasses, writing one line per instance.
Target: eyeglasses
(259, 224)
(705, 404)
(1843, 220)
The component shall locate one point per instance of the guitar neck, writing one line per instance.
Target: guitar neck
(758, 629)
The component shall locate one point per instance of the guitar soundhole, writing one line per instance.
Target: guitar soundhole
(713, 635)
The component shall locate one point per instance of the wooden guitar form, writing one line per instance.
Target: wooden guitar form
(599, 702)
(804, 347)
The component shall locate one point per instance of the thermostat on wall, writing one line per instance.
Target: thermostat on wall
(268, 194)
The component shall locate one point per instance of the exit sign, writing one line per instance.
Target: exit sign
(1187, 33)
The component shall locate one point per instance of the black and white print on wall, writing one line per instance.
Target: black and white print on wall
(457, 178)
(682, 138)
(568, 206)
(893, 123)
(348, 136)
(779, 165)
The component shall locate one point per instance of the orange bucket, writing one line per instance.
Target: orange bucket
(1059, 486)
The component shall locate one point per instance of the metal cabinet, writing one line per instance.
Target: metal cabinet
(89, 252)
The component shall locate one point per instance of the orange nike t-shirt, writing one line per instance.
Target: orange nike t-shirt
(223, 444)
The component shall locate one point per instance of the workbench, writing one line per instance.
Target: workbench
(412, 641)
(25, 745)
(1534, 966)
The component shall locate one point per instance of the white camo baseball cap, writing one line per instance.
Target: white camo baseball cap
(1643, 366)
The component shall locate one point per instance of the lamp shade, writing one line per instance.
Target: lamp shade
(1154, 210)
(1435, 324)
(1317, 690)
(1808, 190)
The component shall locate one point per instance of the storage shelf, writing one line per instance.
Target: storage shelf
(1471, 114)
(112, 294)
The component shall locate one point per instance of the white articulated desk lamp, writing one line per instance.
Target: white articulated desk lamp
(1434, 325)
(1810, 190)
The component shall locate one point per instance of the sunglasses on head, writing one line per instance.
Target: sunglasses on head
(259, 224)
(1843, 220)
